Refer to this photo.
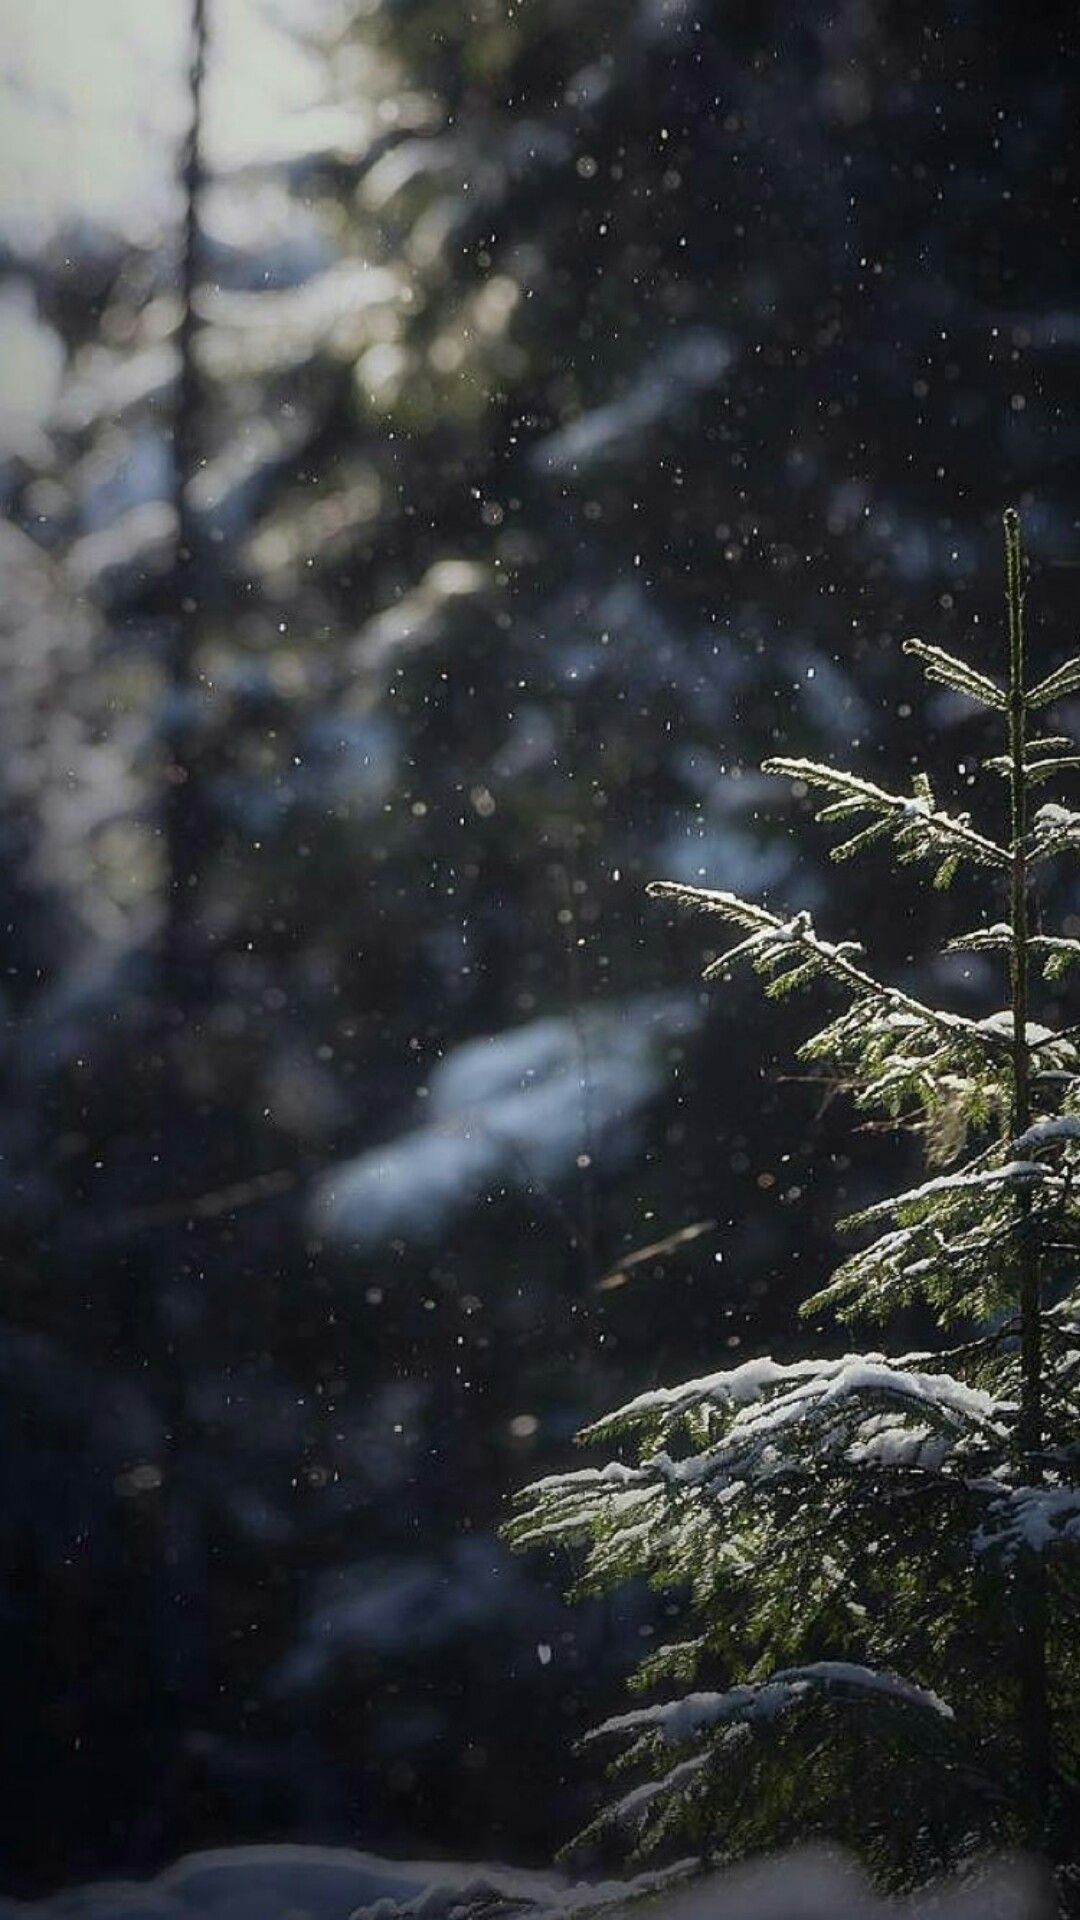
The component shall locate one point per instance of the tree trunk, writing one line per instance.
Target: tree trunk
(1030, 1572)
(184, 825)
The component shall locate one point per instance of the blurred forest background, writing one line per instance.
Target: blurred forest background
(428, 490)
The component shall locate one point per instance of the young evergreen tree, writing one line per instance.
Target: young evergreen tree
(879, 1553)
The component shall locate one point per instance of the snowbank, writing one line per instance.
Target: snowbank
(328, 1883)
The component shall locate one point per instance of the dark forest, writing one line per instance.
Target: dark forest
(426, 506)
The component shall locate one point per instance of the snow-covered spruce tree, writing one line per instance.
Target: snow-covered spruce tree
(879, 1554)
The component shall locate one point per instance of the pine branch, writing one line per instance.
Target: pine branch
(1036, 770)
(953, 1237)
(809, 1414)
(679, 1721)
(956, 1270)
(1061, 953)
(946, 670)
(919, 828)
(1056, 830)
(773, 942)
(1028, 1519)
(926, 1200)
(995, 939)
(1057, 685)
(1057, 951)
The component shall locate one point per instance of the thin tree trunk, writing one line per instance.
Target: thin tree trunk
(184, 1544)
(183, 821)
(1031, 1577)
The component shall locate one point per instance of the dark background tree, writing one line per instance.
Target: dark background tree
(586, 417)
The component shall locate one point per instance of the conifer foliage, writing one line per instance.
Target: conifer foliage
(879, 1553)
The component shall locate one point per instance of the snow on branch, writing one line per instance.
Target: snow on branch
(864, 1383)
(1048, 1133)
(916, 1202)
(918, 828)
(1057, 685)
(995, 939)
(946, 670)
(780, 1421)
(1056, 951)
(1032, 1519)
(1037, 767)
(715, 1725)
(948, 1243)
(762, 1395)
(680, 1721)
(728, 1390)
(790, 953)
(1055, 830)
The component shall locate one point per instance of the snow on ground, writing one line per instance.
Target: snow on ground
(263, 1883)
(328, 1883)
